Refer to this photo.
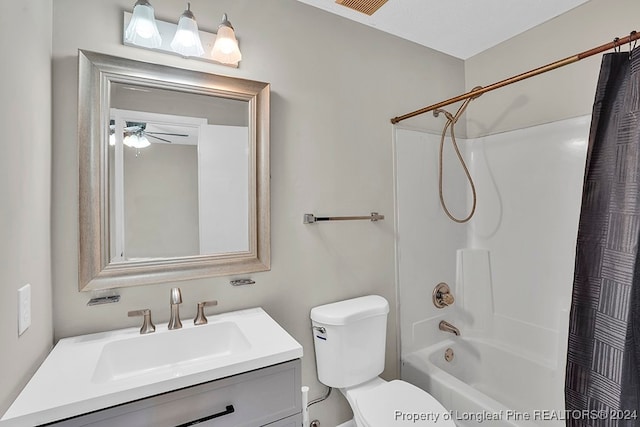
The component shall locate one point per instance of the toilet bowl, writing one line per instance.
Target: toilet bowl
(349, 338)
(385, 404)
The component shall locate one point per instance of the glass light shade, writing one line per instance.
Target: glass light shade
(112, 139)
(143, 142)
(131, 140)
(225, 49)
(142, 29)
(187, 42)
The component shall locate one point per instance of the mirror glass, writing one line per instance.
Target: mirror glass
(178, 174)
(177, 162)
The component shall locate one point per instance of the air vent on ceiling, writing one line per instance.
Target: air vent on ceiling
(365, 6)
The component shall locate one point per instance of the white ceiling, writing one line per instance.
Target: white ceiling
(461, 28)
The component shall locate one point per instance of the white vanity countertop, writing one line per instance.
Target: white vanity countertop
(68, 384)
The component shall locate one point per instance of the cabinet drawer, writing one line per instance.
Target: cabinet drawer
(247, 400)
(293, 421)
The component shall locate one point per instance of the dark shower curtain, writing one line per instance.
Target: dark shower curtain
(603, 360)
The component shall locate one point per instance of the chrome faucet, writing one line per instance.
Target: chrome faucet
(448, 327)
(175, 300)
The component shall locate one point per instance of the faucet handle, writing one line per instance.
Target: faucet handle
(200, 317)
(442, 296)
(147, 324)
(447, 298)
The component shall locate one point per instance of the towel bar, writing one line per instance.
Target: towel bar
(311, 218)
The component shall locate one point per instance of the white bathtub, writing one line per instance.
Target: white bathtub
(488, 384)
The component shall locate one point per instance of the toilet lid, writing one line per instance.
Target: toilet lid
(399, 403)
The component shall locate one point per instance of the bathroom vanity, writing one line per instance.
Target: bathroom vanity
(240, 369)
(264, 397)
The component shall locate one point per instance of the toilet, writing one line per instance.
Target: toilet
(349, 338)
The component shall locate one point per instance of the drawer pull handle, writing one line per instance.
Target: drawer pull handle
(229, 410)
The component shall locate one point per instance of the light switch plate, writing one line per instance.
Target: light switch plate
(24, 308)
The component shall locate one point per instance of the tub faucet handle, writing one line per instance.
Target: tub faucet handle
(147, 324)
(442, 296)
(447, 298)
(201, 319)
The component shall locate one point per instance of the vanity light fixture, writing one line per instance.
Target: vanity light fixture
(187, 42)
(225, 49)
(142, 29)
(184, 38)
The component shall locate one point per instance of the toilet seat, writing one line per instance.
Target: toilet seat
(384, 406)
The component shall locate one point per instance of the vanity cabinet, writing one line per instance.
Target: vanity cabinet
(265, 397)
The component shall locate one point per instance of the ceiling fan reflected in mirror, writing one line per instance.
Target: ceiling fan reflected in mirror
(136, 135)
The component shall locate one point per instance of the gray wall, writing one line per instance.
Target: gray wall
(560, 94)
(25, 187)
(335, 85)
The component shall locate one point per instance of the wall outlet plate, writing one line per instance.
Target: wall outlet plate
(24, 308)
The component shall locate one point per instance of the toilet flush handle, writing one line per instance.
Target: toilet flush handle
(320, 332)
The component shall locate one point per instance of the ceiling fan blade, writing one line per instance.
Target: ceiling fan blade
(166, 133)
(157, 137)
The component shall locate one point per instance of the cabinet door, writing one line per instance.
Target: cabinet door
(247, 400)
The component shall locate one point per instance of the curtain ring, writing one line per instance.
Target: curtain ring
(616, 46)
(631, 48)
(475, 89)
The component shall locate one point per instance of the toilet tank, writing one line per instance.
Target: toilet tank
(349, 338)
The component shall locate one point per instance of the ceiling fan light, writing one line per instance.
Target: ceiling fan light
(142, 29)
(131, 140)
(186, 41)
(225, 49)
(143, 142)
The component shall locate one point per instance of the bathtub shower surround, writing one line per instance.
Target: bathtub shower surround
(510, 269)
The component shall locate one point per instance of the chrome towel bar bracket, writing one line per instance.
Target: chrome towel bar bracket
(103, 300)
(311, 218)
(242, 282)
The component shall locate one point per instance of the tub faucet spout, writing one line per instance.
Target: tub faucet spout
(448, 327)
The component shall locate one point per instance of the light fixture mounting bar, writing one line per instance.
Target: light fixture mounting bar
(167, 31)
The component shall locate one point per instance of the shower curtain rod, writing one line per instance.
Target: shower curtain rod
(549, 67)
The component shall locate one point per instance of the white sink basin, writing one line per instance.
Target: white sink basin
(91, 372)
(170, 352)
